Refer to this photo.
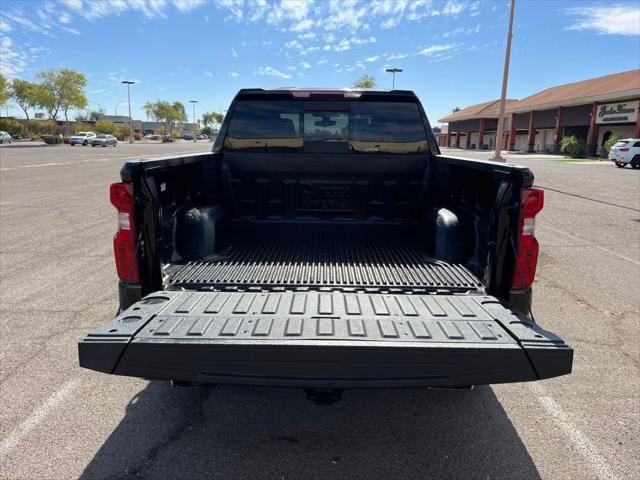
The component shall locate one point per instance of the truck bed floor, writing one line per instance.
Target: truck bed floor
(273, 255)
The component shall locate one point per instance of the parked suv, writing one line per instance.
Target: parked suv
(83, 138)
(626, 152)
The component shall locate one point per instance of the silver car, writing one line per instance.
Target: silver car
(5, 137)
(104, 140)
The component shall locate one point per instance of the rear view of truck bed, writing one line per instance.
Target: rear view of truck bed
(325, 244)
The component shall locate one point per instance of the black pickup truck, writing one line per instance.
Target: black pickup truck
(325, 243)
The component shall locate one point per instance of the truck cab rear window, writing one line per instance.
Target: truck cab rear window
(365, 127)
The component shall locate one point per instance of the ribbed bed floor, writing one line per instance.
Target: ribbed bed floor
(323, 255)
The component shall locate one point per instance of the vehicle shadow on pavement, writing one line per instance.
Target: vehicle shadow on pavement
(246, 432)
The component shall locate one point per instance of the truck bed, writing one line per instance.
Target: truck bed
(272, 256)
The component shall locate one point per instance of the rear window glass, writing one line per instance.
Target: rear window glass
(388, 127)
(361, 127)
(265, 125)
(620, 143)
(322, 126)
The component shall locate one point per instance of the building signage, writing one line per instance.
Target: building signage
(620, 112)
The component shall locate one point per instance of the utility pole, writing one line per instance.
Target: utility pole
(193, 102)
(505, 79)
(393, 71)
(128, 83)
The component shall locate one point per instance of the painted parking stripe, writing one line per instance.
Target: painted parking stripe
(579, 440)
(14, 438)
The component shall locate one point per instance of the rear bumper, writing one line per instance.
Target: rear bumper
(394, 342)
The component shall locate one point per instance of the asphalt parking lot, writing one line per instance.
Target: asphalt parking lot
(58, 421)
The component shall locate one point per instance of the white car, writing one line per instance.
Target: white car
(5, 137)
(626, 152)
(83, 138)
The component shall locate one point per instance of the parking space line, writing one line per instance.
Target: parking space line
(579, 440)
(37, 416)
(91, 160)
(590, 244)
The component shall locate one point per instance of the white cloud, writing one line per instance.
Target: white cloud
(375, 58)
(607, 19)
(187, 5)
(208, 74)
(234, 54)
(434, 49)
(307, 36)
(272, 72)
(4, 26)
(13, 60)
(234, 74)
(305, 65)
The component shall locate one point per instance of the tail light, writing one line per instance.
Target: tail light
(124, 242)
(527, 250)
(623, 149)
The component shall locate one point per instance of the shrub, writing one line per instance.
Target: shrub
(36, 127)
(573, 146)
(12, 127)
(106, 127)
(51, 139)
(137, 136)
(609, 143)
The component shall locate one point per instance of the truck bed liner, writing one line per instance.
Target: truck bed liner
(273, 255)
(325, 339)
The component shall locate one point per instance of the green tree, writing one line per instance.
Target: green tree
(365, 81)
(166, 113)
(455, 109)
(573, 146)
(211, 118)
(27, 95)
(63, 90)
(92, 116)
(5, 93)
(107, 127)
(610, 143)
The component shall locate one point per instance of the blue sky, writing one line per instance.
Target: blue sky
(451, 51)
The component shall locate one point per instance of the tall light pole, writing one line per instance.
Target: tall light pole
(505, 79)
(394, 71)
(128, 83)
(193, 102)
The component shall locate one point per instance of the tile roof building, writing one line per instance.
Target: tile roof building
(593, 110)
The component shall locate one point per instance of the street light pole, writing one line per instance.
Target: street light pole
(128, 83)
(193, 102)
(503, 96)
(393, 71)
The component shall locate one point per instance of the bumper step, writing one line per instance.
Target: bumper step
(325, 340)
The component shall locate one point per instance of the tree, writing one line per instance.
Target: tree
(365, 81)
(613, 139)
(107, 127)
(166, 113)
(573, 146)
(92, 116)
(455, 109)
(4, 91)
(211, 118)
(27, 95)
(62, 90)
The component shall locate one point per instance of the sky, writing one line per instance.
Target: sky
(451, 51)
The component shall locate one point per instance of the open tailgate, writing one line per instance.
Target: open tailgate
(325, 339)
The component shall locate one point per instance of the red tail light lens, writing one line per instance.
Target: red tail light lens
(527, 249)
(623, 149)
(124, 242)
